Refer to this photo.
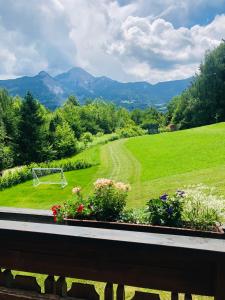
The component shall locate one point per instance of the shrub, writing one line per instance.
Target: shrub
(166, 210)
(203, 209)
(87, 137)
(109, 199)
(99, 134)
(130, 131)
(151, 127)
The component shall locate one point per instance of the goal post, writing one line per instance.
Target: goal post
(49, 176)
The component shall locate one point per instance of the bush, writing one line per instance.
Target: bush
(99, 134)
(151, 127)
(87, 137)
(109, 199)
(202, 209)
(130, 131)
(166, 210)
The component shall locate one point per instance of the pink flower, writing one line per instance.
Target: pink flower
(76, 190)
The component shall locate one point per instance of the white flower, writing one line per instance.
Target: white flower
(76, 190)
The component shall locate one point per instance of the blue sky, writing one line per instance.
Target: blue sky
(127, 40)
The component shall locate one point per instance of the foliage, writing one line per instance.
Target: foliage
(105, 204)
(203, 102)
(77, 208)
(195, 207)
(64, 142)
(130, 131)
(202, 208)
(166, 210)
(109, 199)
(150, 119)
(87, 137)
(31, 133)
(135, 216)
(31, 136)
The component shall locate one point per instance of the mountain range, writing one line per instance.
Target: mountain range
(53, 91)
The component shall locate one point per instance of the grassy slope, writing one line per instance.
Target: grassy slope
(151, 164)
(173, 160)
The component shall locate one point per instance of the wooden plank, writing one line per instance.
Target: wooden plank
(220, 281)
(61, 287)
(50, 285)
(108, 292)
(26, 215)
(120, 292)
(164, 240)
(28, 283)
(83, 291)
(13, 294)
(6, 278)
(174, 296)
(145, 296)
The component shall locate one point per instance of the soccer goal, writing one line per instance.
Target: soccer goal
(49, 176)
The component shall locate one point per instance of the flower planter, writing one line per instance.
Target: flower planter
(219, 234)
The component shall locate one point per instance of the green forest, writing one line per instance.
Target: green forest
(29, 132)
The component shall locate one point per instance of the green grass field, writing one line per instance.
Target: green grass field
(151, 164)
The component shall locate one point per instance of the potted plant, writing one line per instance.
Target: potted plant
(189, 212)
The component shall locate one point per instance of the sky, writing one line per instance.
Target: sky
(126, 40)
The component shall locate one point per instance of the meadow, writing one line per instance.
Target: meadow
(152, 164)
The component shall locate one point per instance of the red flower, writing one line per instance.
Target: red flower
(80, 208)
(55, 209)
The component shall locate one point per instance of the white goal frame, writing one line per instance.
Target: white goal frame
(37, 180)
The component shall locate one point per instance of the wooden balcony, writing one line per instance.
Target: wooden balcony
(178, 264)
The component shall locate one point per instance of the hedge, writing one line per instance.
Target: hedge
(24, 173)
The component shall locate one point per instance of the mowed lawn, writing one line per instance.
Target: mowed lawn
(151, 164)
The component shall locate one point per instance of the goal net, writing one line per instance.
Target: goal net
(49, 176)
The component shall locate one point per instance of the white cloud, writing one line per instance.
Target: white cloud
(168, 52)
(135, 41)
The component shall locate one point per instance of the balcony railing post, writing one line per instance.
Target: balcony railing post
(120, 292)
(174, 296)
(109, 293)
(220, 282)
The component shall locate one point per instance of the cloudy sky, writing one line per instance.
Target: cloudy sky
(127, 40)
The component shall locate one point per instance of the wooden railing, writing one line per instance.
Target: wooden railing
(178, 264)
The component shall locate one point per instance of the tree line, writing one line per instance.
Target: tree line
(29, 132)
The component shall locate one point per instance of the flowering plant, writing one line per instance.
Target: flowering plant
(166, 210)
(203, 209)
(77, 208)
(109, 199)
(106, 203)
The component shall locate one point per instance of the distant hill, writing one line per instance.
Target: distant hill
(52, 91)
